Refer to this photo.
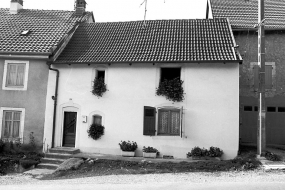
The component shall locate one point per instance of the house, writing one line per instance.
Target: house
(243, 16)
(133, 58)
(28, 38)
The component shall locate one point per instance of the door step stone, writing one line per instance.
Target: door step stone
(64, 150)
(48, 166)
(52, 160)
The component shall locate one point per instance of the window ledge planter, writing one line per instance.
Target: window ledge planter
(128, 153)
(149, 154)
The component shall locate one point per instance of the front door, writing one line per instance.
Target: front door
(69, 129)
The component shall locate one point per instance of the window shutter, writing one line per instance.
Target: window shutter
(149, 121)
(256, 77)
(268, 77)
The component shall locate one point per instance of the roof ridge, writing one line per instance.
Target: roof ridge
(47, 10)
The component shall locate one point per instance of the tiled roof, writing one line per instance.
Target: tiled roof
(244, 13)
(47, 28)
(159, 41)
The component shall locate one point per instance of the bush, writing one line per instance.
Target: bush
(271, 156)
(128, 146)
(95, 131)
(2, 145)
(28, 163)
(99, 87)
(198, 152)
(171, 89)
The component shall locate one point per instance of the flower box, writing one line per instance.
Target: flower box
(128, 153)
(149, 154)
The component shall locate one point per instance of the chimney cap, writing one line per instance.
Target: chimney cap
(17, 1)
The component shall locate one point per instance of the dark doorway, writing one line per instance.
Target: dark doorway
(69, 129)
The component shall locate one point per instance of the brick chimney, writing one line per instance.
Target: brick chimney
(80, 6)
(16, 6)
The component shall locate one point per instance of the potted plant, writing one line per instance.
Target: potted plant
(99, 87)
(128, 148)
(197, 153)
(149, 152)
(171, 89)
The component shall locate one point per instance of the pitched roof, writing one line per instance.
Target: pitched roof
(47, 27)
(243, 14)
(160, 41)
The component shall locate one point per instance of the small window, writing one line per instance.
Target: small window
(255, 108)
(11, 124)
(271, 109)
(100, 74)
(15, 75)
(281, 109)
(97, 119)
(247, 108)
(169, 122)
(169, 73)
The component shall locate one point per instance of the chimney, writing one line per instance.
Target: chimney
(16, 6)
(80, 6)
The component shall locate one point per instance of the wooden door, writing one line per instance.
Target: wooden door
(69, 129)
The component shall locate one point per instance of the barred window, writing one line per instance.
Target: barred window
(169, 122)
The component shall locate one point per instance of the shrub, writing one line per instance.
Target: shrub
(149, 149)
(95, 131)
(99, 87)
(171, 89)
(271, 156)
(215, 152)
(198, 152)
(28, 163)
(128, 146)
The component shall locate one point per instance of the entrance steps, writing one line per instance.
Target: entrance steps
(56, 156)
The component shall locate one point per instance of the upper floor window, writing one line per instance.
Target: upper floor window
(170, 73)
(100, 74)
(15, 75)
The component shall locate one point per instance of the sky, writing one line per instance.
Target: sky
(125, 10)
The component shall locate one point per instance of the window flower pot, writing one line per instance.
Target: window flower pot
(149, 154)
(128, 153)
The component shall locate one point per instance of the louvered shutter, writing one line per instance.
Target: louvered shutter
(149, 121)
(256, 77)
(268, 77)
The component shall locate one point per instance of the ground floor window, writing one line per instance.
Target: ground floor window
(168, 122)
(97, 119)
(11, 123)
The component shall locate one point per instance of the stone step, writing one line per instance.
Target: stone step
(64, 150)
(52, 160)
(58, 155)
(47, 166)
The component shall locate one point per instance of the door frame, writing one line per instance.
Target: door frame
(75, 125)
(67, 107)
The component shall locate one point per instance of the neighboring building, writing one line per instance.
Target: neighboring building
(133, 57)
(243, 16)
(28, 38)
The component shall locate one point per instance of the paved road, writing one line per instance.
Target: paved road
(158, 186)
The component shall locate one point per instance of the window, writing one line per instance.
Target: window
(12, 124)
(168, 122)
(15, 75)
(271, 109)
(97, 119)
(100, 74)
(169, 73)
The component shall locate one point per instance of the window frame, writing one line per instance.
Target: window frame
(22, 121)
(158, 133)
(95, 73)
(5, 75)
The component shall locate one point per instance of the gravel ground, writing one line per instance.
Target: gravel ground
(201, 177)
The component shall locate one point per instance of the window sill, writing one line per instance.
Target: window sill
(14, 88)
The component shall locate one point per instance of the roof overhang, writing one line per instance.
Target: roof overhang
(25, 55)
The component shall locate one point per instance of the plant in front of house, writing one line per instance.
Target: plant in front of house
(128, 148)
(99, 87)
(171, 89)
(198, 153)
(95, 131)
(150, 152)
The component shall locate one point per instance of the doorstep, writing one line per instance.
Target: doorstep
(137, 159)
(272, 165)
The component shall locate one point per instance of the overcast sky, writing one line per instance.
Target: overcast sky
(125, 10)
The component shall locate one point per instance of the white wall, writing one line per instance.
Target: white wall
(210, 117)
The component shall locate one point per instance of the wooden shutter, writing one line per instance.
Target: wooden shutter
(149, 121)
(256, 77)
(268, 77)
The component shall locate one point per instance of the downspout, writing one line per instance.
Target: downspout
(55, 103)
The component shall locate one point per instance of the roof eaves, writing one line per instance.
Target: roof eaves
(24, 53)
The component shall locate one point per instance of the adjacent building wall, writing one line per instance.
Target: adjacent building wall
(33, 99)
(211, 107)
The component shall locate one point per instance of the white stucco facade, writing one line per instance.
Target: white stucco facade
(210, 108)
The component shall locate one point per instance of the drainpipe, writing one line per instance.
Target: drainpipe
(55, 103)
